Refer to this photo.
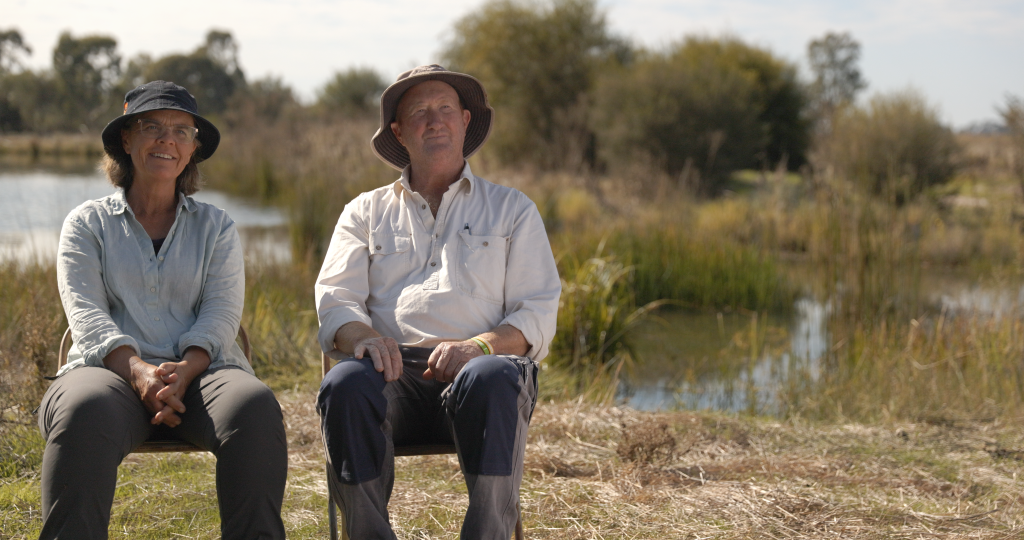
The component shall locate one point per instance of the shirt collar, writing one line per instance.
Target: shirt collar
(119, 203)
(402, 184)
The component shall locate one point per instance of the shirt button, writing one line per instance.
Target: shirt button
(485, 244)
(423, 207)
(433, 264)
(161, 257)
(377, 248)
(156, 318)
(152, 289)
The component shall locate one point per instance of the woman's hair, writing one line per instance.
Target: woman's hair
(119, 171)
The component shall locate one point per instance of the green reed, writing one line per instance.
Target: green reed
(596, 311)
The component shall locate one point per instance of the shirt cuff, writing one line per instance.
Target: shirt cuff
(201, 340)
(335, 319)
(95, 356)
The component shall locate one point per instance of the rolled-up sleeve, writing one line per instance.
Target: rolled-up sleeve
(343, 284)
(532, 286)
(220, 306)
(83, 293)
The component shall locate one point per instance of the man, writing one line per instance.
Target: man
(439, 259)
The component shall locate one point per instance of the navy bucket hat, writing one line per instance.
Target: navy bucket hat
(160, 95)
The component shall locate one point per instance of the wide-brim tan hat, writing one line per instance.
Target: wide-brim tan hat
(474, 98)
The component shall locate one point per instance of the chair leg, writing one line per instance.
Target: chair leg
(519, 522)
(332, 509)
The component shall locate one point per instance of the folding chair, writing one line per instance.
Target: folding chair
(409, 450)
(156, 445)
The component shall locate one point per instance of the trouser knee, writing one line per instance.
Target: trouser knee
(352, 410)
(93, 404)
(484, 407)
(254, 417)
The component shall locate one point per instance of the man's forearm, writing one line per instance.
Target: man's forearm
(349, 334)
(506, 339)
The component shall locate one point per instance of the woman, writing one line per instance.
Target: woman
(152, 284)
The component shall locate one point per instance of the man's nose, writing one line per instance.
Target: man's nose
(433, 117)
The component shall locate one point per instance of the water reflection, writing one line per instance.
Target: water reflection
(726, 362)
(737, 363)
(33, 206)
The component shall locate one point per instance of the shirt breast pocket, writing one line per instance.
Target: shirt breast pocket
(390, 262)
(481, 272)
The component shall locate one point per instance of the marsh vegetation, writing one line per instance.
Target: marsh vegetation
(891, 408)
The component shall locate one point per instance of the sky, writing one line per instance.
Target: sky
(964, 57)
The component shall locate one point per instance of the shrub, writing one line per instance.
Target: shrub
(895, 147)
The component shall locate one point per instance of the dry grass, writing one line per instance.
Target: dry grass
(606, 472)
(594, 472)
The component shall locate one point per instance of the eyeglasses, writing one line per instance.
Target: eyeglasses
(151, 129)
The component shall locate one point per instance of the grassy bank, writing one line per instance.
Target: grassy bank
(598, 472)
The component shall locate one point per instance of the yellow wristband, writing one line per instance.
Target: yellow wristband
(482, 343)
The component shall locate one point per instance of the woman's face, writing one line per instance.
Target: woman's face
(158, 151)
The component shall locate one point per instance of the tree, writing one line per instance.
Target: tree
(837, 79)
(777, 94)
(12, 45)
(262, 101)
(538, 61)
(87, 70)
(211, 73)
(355, 91)
(701, 110)
(1013, 117)
(222, 49)
(895, 147)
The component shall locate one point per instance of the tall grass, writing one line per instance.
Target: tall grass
(596, 311)
(312, 169)
(941, 368)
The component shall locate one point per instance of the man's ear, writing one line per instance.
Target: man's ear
(465, 118)
(397, 131)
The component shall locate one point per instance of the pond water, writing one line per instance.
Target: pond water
(706, 361)
(691, 360)
(35, 202)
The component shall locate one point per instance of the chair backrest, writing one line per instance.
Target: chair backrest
(65, 346)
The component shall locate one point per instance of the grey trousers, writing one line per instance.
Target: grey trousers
(91, 419)
(486, 412)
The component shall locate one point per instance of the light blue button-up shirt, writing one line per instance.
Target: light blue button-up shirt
(117, 291)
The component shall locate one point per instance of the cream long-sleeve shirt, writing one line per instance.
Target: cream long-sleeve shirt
(483, 261)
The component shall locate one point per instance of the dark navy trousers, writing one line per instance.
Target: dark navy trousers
(485, 412)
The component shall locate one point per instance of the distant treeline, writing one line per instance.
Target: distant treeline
(570, 95)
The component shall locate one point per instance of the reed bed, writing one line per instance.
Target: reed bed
(51, 146)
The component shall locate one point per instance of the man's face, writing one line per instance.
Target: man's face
(431, 123)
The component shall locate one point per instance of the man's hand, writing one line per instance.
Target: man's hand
(449, 358)
(385, 355)
(359, 339)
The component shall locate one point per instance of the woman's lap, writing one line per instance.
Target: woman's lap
(91, 419)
